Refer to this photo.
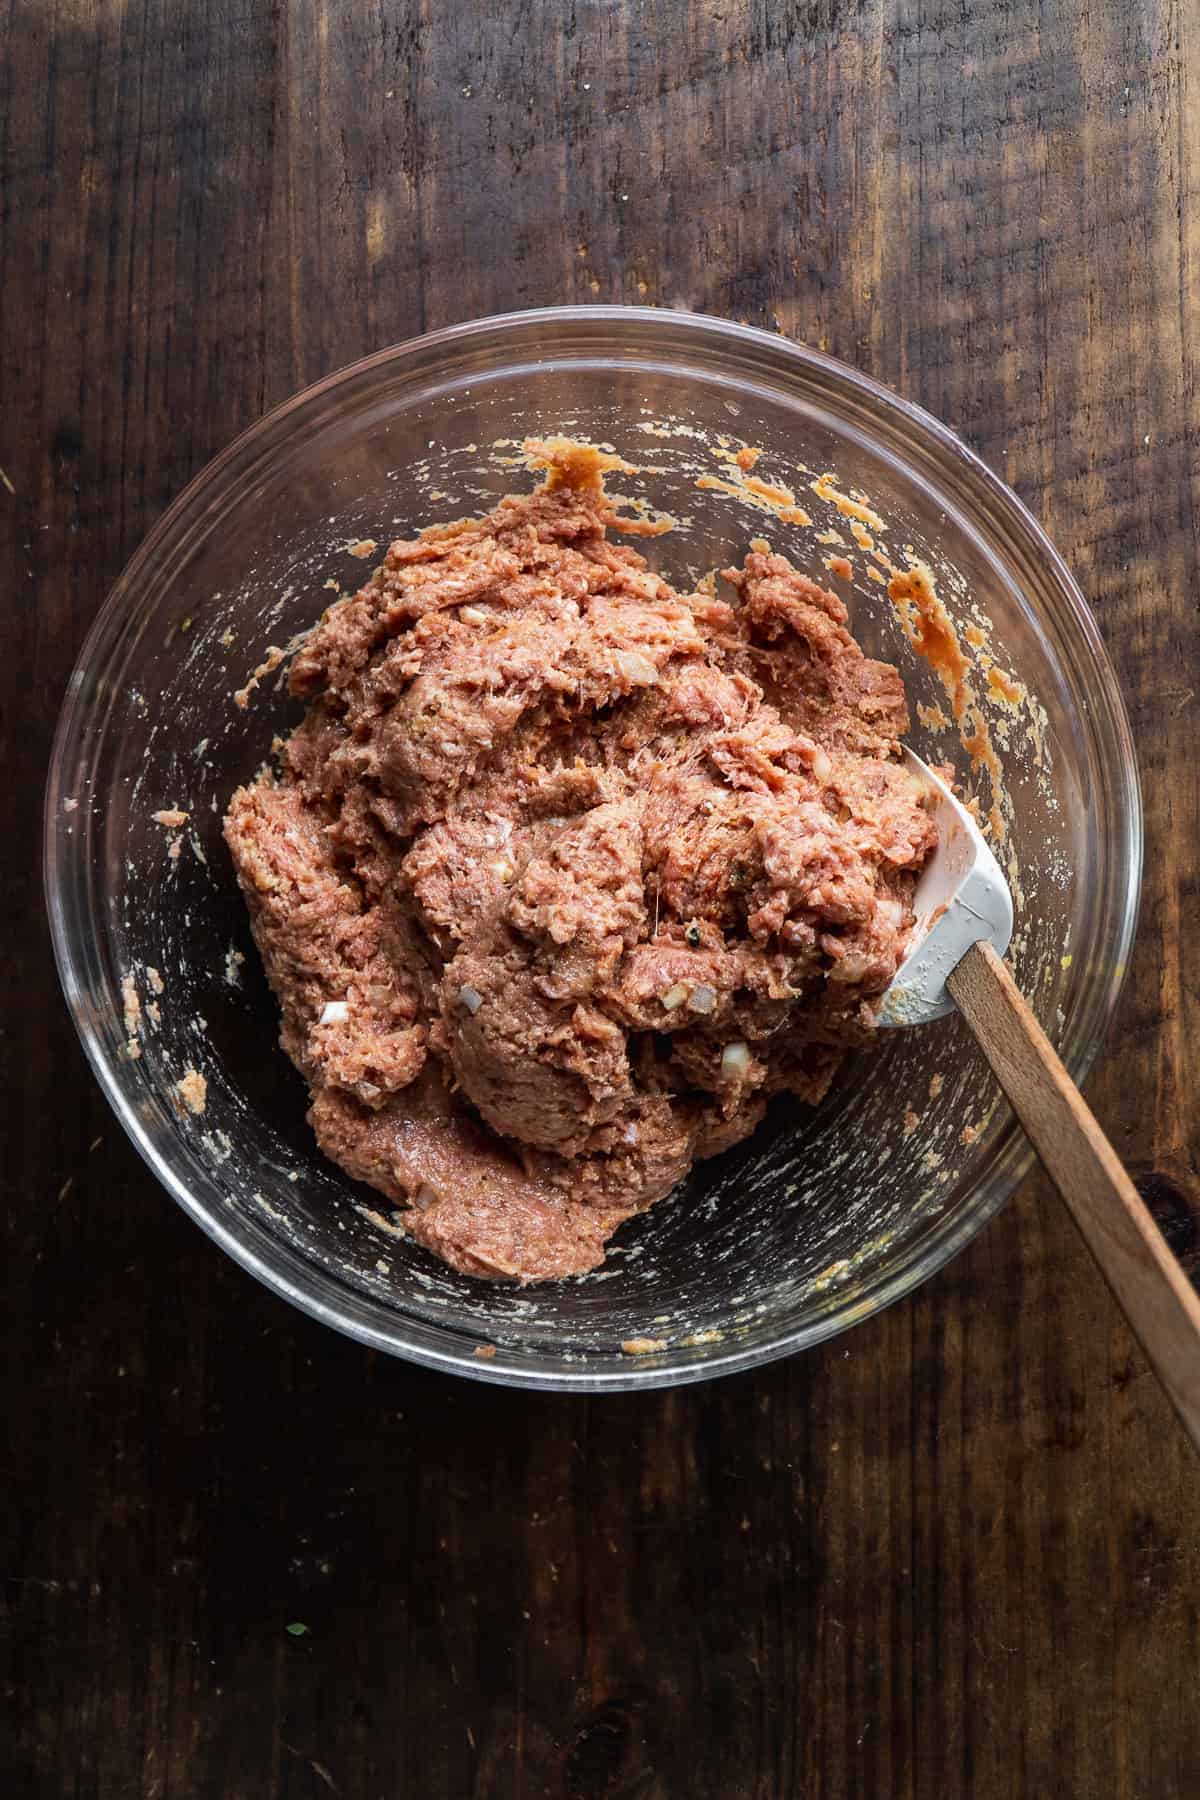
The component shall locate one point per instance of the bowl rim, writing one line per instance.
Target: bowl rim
(341, 1311)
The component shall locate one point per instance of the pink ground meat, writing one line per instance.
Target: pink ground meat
(565, 872)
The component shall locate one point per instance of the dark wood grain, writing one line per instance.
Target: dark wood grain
(953, 1554)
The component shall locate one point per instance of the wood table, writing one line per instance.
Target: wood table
(955, 1553)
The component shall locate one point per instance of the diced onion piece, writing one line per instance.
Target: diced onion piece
(636, 669)
(674, 997)
(822, 768)
(336, 1013)
(735, 1062)
(702, 999)
(470, 997)
(425, 1196)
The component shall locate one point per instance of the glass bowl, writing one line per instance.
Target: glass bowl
(823, 1217)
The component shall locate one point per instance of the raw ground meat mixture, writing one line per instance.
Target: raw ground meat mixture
(565, 872)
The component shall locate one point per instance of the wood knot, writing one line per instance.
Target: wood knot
(608, 1759)
(1173, 1213)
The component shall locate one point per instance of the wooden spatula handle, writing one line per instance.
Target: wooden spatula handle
(1154, 1293)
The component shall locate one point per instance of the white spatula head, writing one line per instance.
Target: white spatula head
(961, 897)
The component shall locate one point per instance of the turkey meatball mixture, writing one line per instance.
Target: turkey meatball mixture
(566, 872)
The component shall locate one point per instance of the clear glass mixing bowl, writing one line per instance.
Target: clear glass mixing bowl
(823, 1217)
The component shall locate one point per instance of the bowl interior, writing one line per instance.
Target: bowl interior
(823, 1215)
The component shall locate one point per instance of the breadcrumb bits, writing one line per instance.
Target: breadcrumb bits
(267, 666)
(1004, 688)
(643, 1346)
(192, 1089)
(131, 1004)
